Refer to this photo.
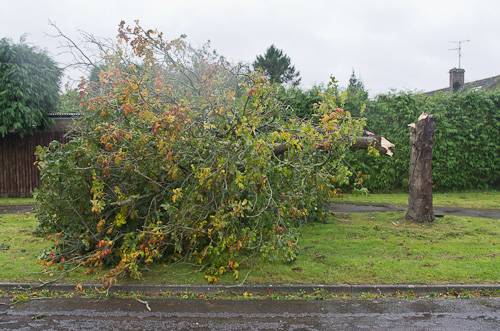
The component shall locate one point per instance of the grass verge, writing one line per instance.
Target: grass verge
(16, 201)
(379, 248)
(20, 296)
(472, 200)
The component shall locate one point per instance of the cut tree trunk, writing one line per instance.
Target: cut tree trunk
(419, 183)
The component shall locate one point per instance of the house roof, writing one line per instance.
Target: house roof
(490, 83)
(63, 115)
(62, 121)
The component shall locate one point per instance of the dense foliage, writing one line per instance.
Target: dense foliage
(301, 101)
(352, 99)
(356, 96)
(278, 67)
(69, 101)
(466, 153)
(29, 85)
(180, 156)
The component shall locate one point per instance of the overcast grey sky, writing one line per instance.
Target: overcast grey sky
(390, 44)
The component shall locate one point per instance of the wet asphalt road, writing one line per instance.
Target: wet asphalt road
(445, 211)
(197, 314)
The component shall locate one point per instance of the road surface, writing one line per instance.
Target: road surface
(199, 314)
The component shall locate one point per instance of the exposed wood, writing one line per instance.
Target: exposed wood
(380, 143)
(419, 182)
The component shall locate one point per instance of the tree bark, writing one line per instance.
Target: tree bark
(377, 141)
(419, 181)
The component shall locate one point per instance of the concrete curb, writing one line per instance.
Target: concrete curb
(266, 289)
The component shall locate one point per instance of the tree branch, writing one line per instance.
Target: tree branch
(368, 139)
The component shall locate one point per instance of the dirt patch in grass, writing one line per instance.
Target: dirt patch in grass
(16, 209)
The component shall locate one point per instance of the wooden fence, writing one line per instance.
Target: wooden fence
(18, 174)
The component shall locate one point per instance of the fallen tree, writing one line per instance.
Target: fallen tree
(174, 159)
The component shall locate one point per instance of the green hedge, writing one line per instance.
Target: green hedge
(466, 152)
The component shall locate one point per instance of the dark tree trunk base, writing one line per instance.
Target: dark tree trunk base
(419, 182)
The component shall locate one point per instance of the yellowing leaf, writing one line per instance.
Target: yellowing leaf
(100, 225)
(177, 194)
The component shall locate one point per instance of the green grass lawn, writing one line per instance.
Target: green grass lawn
(16, 201)
(474, 200)
(371, 248)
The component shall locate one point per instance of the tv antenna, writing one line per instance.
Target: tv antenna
(459, 49)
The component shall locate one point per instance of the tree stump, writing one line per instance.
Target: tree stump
(419, 181)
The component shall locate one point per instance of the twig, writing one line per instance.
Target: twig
(58, 278)
(144, 302)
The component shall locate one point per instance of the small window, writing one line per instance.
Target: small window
(456, 86)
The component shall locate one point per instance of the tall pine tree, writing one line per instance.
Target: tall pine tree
(278, 66)
(357, 96)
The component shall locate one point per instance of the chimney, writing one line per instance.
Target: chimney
(457, 79)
